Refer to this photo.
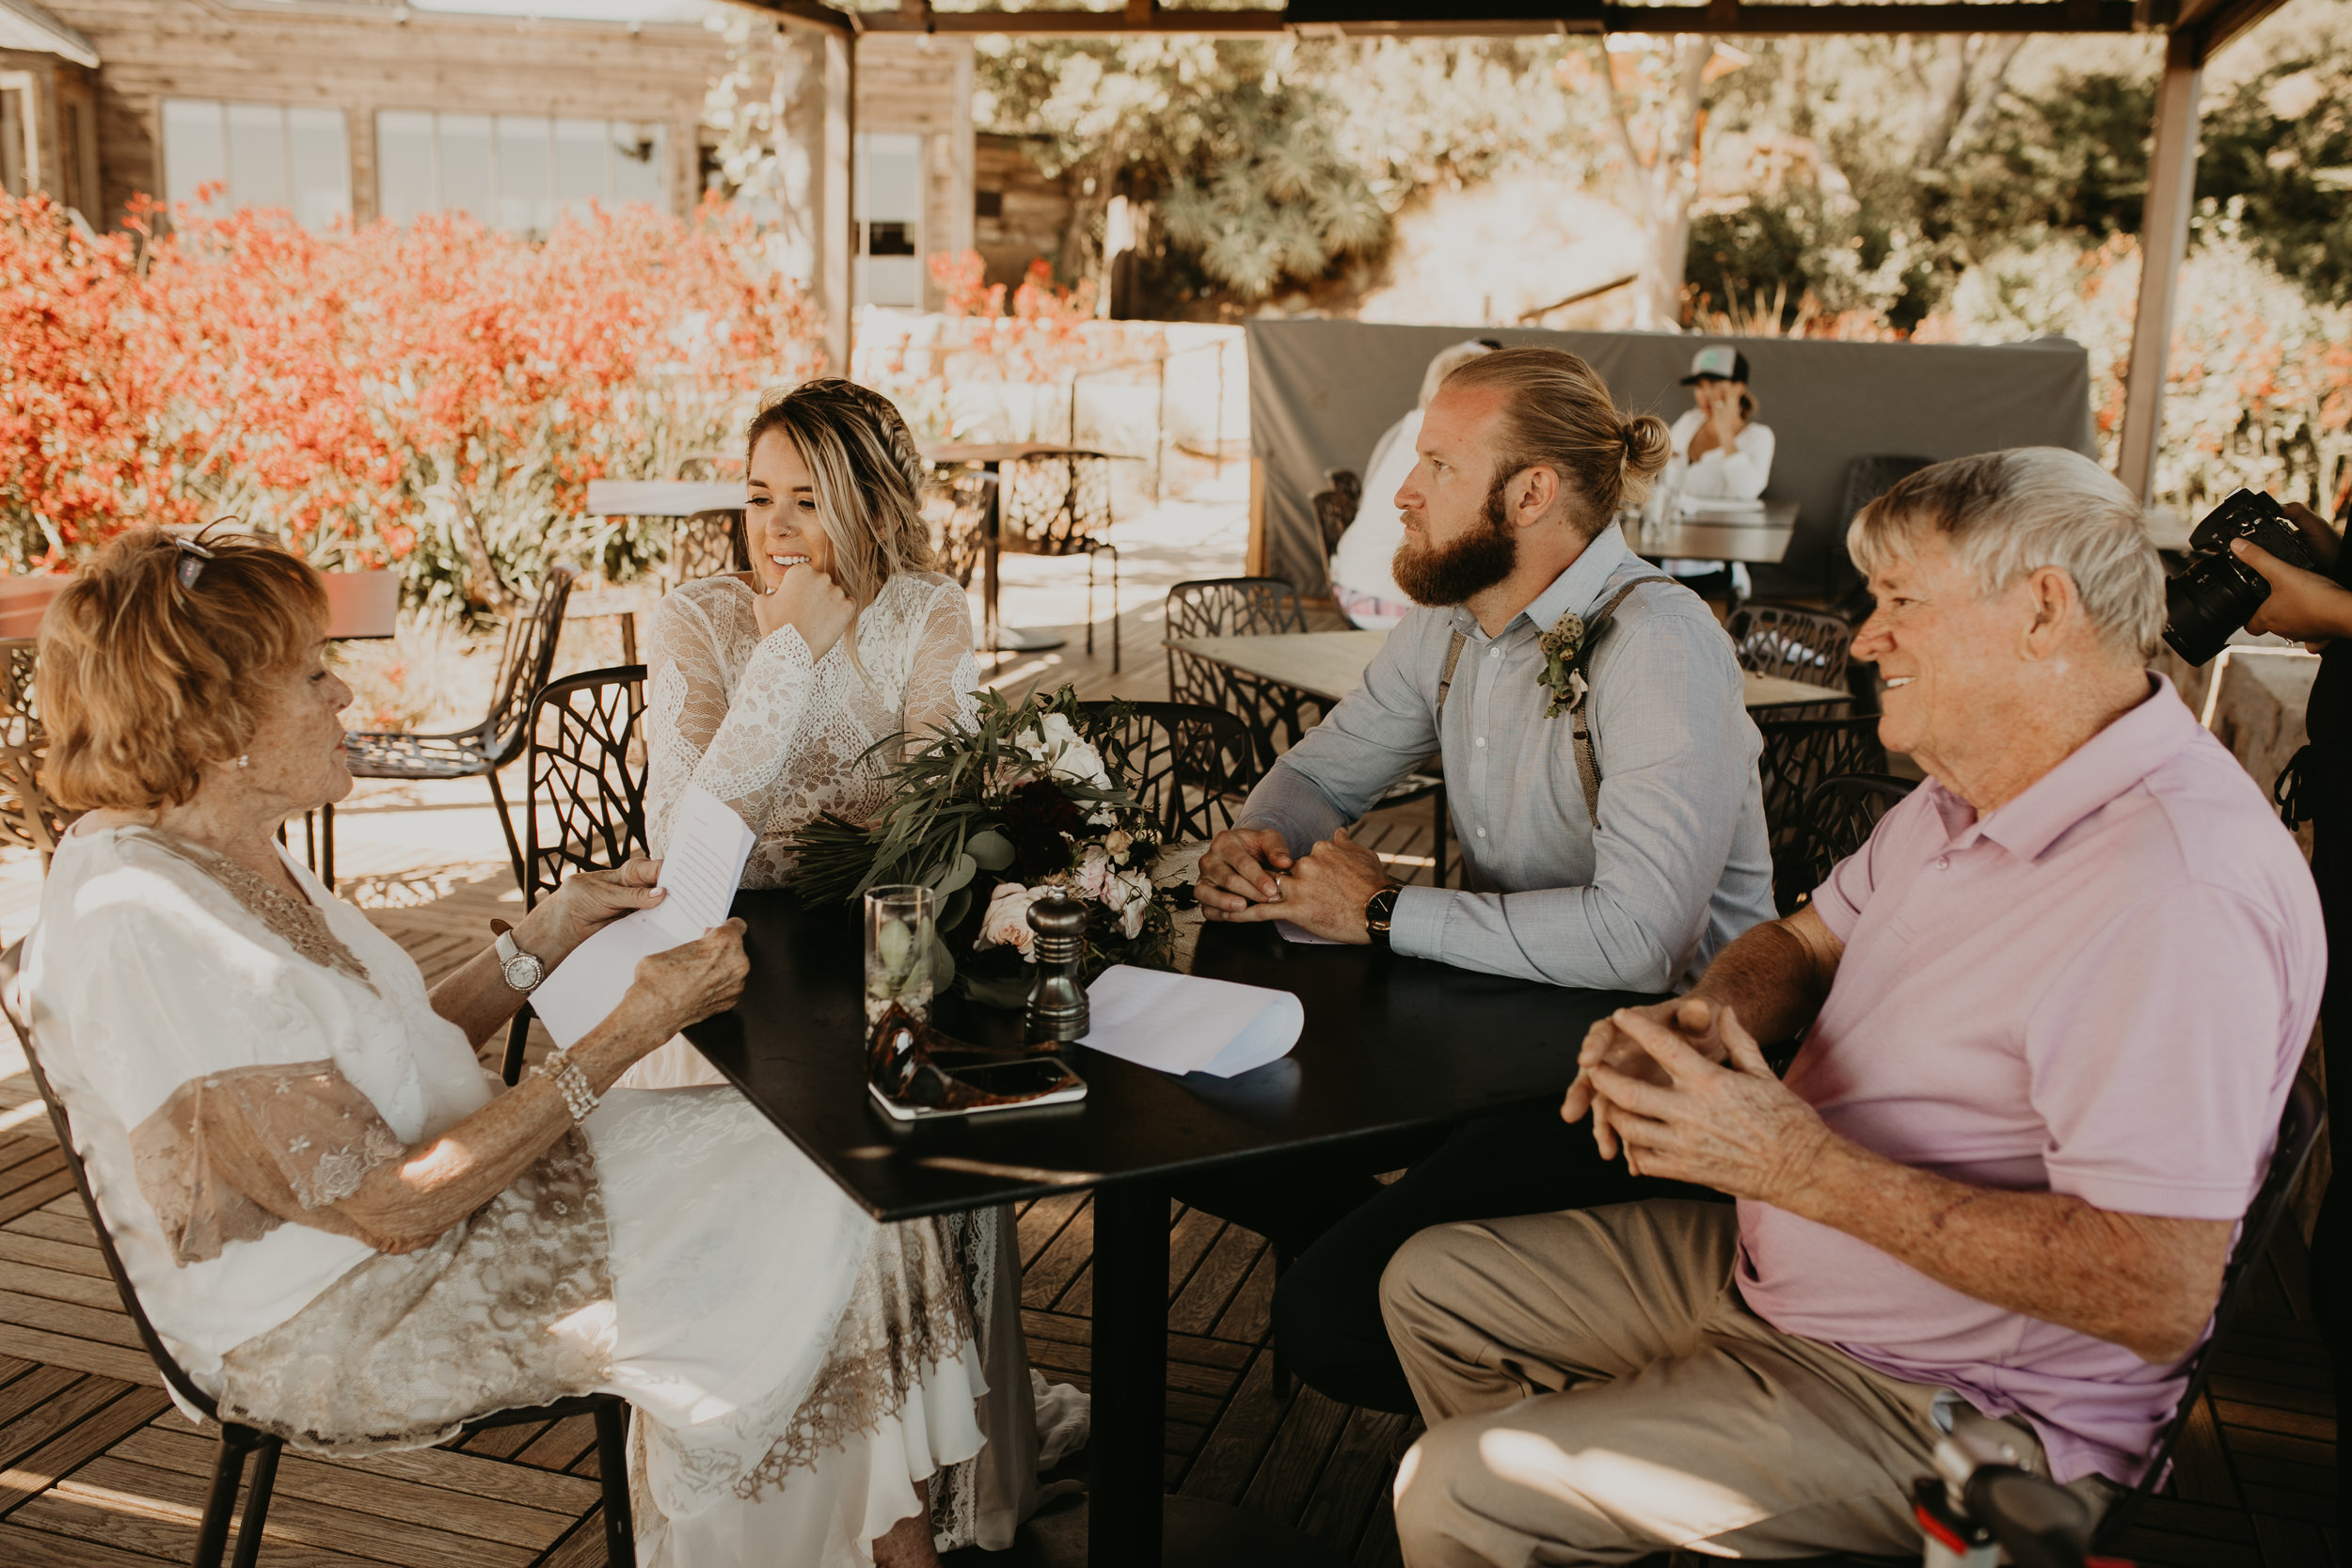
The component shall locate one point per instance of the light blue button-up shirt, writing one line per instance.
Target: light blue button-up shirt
(1679, 864)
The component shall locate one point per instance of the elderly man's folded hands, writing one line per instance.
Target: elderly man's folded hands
(1684, 1090)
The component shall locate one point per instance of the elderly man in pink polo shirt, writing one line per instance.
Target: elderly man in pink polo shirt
(2051, 1012)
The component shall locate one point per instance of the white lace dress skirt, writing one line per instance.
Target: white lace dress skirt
(796, 1369)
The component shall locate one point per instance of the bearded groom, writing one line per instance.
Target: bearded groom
(1529, 590)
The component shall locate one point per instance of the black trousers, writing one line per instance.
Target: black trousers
(2332, 1237)
(1343, 1228)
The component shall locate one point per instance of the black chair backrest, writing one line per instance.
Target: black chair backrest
(1191, 766)
(166, 1363)
(2300, 1126)
(1866, 480)
(1836, 819)
(1055, 505)
(586, 806)
(524, 666)
(1793, 643)
(28, 814)
(708, 545)
(956, 502)
(1797, 754)
(1233, 607)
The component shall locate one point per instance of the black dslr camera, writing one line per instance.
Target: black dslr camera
(2216, 592)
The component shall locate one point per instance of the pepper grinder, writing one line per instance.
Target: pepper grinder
(1057, 1002)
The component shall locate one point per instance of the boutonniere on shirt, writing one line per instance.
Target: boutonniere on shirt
(1561, 645)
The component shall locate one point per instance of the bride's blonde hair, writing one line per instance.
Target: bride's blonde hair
(869, 478)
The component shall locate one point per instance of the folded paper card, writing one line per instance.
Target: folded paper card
(709, 844)
(1184, 1023)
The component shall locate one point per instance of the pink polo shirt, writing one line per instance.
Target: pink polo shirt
(2103, 989)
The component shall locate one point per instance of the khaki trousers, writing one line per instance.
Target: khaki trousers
(1596, 1391)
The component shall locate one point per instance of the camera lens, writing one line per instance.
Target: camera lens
(2216, 596)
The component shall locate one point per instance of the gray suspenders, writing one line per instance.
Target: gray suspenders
(1587, 762)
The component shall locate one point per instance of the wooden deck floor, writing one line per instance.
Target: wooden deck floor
(97, 1471)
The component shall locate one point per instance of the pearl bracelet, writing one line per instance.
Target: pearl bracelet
(571, 1083)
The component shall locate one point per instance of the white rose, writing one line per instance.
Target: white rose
(1094, 871)
(1138, 903)
(1005, 922)
(1117, 842)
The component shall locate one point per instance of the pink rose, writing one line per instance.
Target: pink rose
(1006, 921)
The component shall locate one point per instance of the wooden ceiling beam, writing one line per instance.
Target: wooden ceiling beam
(1394, 17)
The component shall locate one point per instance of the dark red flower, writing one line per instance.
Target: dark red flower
(1037, 816)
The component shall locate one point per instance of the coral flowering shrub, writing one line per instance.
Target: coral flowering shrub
(376, 395)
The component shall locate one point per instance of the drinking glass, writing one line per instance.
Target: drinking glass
(900, 921)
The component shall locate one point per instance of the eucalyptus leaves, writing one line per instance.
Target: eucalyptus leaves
(1029, 797)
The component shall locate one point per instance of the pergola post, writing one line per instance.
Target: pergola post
(2163, 246)
(837, 247)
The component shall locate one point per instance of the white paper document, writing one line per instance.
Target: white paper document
(1184, 1023)
(709, 844)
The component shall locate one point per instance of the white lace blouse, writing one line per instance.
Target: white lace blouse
(780, 737)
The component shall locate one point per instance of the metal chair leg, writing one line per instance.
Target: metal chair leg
(212, 1534)
(620, 1532)
(506, 826)
(1437, 832)
(325, 866)
(517, 1032)
(257, 1503)
(1112, 551)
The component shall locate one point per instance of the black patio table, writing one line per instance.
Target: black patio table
(1390, 1044)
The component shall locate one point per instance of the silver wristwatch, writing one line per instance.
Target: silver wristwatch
(521, 970)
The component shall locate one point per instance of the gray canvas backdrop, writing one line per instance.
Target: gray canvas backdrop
(1321, 392)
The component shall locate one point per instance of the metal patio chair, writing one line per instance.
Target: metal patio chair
(1061, 506)
(1192, 766)
(584, 793)
(28, 816)
(1797, 754)
(484, 749)
(238, 1441)
(1791, 642)
(1835, 821)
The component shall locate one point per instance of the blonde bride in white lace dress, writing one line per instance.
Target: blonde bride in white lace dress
(772, 688)
(349, 1232)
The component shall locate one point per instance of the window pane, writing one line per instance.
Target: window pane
(526, 180)
(257, 156)
(641, 170)
(195, 154)
(580, 159)
(466, 183)
(894, 281)
(403, 164)
(320, 160)
(890, 179)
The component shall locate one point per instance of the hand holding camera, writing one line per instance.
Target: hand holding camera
(2259, 566)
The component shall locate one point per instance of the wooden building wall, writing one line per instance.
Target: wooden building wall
(365, 55)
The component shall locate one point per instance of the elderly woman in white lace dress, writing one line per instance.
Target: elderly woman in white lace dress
(339, 1223)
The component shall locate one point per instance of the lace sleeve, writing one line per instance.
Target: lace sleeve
(299, 1128)
(732, 743)
(943, 677)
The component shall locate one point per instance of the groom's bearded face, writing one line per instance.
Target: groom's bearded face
(1481, 555)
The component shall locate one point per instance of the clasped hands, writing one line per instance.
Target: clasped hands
(1248, 873)
(1684, 1092)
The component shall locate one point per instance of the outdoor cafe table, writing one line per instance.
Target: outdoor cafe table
(1758, 541)
(1390, 1044)
(1331, 664)
(677, 498)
